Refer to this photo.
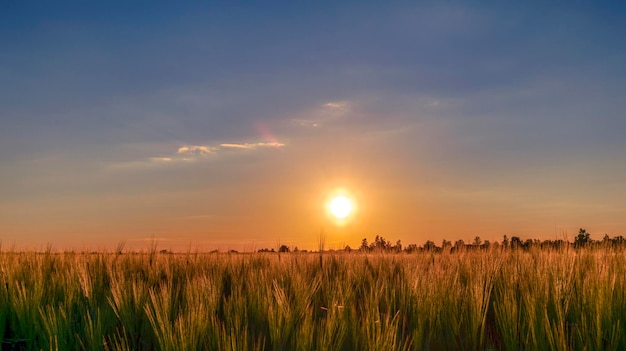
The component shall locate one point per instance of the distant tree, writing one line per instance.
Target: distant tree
(429, 246)
(283, 248)
(560, 244)
(411, 248)
(459, 244)
(505, 241)
(528, 244)
(485, 245)
(364, 245)
(516, 243)
(547, 244)
(380, 244)
(582, 239)
(445, 244)
(347, 248)
(606, 240)
(477, 241)
(398, 247)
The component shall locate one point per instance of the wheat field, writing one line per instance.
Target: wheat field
(472, 300)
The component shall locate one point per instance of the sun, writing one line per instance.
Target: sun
(340, 206)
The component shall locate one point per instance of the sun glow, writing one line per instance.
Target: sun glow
(340, 206)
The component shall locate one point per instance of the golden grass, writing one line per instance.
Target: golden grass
(473, 300)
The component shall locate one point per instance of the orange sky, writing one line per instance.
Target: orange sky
(264, 198)
(219, 126)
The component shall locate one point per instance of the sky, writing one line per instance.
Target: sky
(227, 125)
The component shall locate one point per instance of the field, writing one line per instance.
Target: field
(470, 300)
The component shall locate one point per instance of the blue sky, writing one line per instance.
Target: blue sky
(221, 125)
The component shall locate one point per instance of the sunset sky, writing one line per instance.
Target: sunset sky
(227, 126)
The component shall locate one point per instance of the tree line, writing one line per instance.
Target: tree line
(380, 244)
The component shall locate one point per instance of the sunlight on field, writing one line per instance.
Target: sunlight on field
(470, 300)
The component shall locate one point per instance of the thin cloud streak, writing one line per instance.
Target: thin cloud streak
(161, 159)
(248, 146)
(191, 153)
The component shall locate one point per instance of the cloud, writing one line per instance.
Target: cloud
(337, 105)
(161, 159)
(252, 146)
(323, 115)
(272, 144)
(192, 153)
(195, 149)
(237, 146)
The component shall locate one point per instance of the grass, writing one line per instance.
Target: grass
(472, 300)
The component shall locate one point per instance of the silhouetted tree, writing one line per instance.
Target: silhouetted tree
(606, 240)
(528, 244)
(516, 243)
(410, 248)
(283, 248)
(429, 246)
(485, 245)
(582, 239)
(364, 245)
(505, 241)
(458, 246)
(445, 244)
(380, 244)
(398, 247)
(477, 241)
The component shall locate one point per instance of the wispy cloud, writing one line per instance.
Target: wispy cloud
(323, 115)
(192, 153)
(236, 146)
(337, 105)
(195, 149)
(252, 146)
(161, 159)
